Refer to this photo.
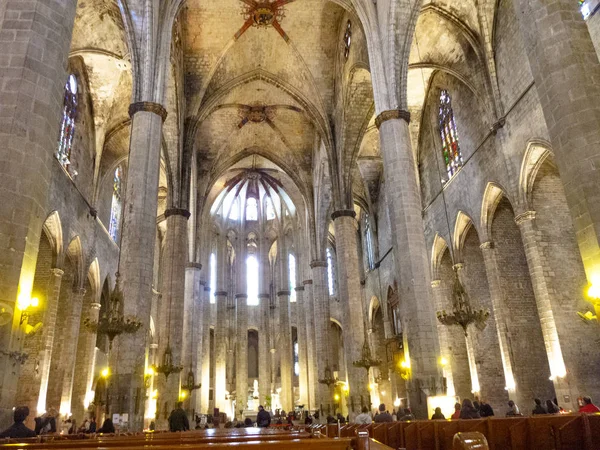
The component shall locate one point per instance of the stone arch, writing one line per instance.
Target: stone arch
(437, 251)
(75, 254)
(536, 154)
(374, 305)
(492, 196)
(462, 225)
(53, 231)
(93, 276)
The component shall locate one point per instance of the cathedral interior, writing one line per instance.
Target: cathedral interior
(311, 205)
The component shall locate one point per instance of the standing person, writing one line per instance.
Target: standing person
(383, 416)
(486, 409)
(457, 409)
(468, 411)
(364, 418)
(588, 406)
(437, 415)
(18, 428)
(513, 409)
(178, 420)
(263, 418)
(538, 409)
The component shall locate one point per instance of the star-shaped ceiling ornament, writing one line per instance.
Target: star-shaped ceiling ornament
(263, 14)
(261, 113)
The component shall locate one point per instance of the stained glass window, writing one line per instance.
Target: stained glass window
(117, 204)
(292, 267)
(347, 40)
(450, 147)
(330, 280)
(251, 209)
(213, 276)
(369, 243)
(67, 126)
(252, 280)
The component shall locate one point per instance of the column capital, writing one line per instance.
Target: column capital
(317, 263)
(206, 288)
(487, 245)
(282, 293)
(525, 217)
(152, 107)
(177, 212)
(264, 296)
(299, 288)
(96, 306)
(390, 114)
(305, 282)
(79, 291)
(221, 294)
(241, 296)
(343, 213)
(57, 272)
(436, 283)
(195, 265)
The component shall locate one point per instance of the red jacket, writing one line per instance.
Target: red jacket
(591, 408)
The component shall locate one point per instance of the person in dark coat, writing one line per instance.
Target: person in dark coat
(486, 409)
(107, 427)
(263, 418)
(539, 409)
(383, 415)
(178, 420)
(437, 415)
(18, 429)
(93, 425)
(468, 411)
(551, 407)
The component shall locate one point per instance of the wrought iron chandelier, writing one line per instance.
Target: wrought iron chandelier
(463, 313)
(367, 360)
(190, 384)
(329, 379)
(167, 367)
(113, 323)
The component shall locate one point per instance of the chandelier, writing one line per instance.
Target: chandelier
(367, 360)
(167, 367)
(113, 323)
(329, 378)
(463, 313)
(190, 384)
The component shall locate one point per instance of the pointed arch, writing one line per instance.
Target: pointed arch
(374, 305)
(536, 153)
(461, 228)
(437, 251)
(491, 197)
(52, 228)
(75, 255)
(93, 277)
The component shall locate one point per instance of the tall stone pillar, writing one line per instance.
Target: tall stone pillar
(84, 365)
(221, 327)
(302, 344)
(241, 361)
(137, 257)
(69, 349)
(204, 352)
(322, 324)
(311, 346)
(353, 311)
(172, 309)
(565, 68)
(285, 350)
(192, 331)
(264, 367)
(35, 41)
(562, 332)
(410, 254)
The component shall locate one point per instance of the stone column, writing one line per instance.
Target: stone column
(301, 311)
(565, 68)
(69, 349)
(311, 346)
(35, 41)
(84, 365)
(264, 367)
(137, 256)
(192, 332)
(204, 351)
(171, 322)
(350, 295)
(241, 361)
(410, 254)
(284, 347)
(498, 306)
(445, 350)
(322, 324)
(221, 327)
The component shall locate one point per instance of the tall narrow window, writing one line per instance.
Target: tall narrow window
(213, 277)
(270, 210)
(292, 267)
(330, 272)
(235, 210)
(67, 126)
(369, 243)
(296, 360)
(251, 209)
(347, 39)
(450, 147)
(252, 280)
(117, 204)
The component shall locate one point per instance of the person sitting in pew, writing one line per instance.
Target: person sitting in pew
(107, 427)
(457, 409)
(588, 407)
(178, 420)
(513, 409)
(468, 411)
(551, 407)
(383, 415)
(263, 418)
(539, 409)
(486, 409)
(408, 415)
(248, 423)
(18, 429)
(438, 415)
(364, 418)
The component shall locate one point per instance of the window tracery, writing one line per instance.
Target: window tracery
(67, 126)
(117, 204)
(251, 209)
(450, 146)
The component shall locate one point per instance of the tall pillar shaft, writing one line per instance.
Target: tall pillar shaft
(204, 352)
(285, 350)
(322, 316)
(264, 367)
(241, 361)
(192, 332)
(350, 295)
(311, 346)
(221, 327)
(35, 43)
(410, 254)
(302, 344)
(137, 256)
(565, 68)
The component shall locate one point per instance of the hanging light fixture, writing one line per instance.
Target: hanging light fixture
(329, 379)
(367, 360)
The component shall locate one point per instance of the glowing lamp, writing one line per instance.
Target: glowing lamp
(182, 395)
(336, 397)
(405, 364)
(372, 386)
(149, 371)
(105, 372)
(397, 402)
(443, 362)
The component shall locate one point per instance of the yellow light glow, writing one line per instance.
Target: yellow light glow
(336, 397)
(346, 388)
(382, 392)
(155, 393)
(35, 302)
(405, 364)
(372, 386)
(182, 395)
(443, 362)
(397, 402)
(594, 289)
(149, 371)
(105, 372)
